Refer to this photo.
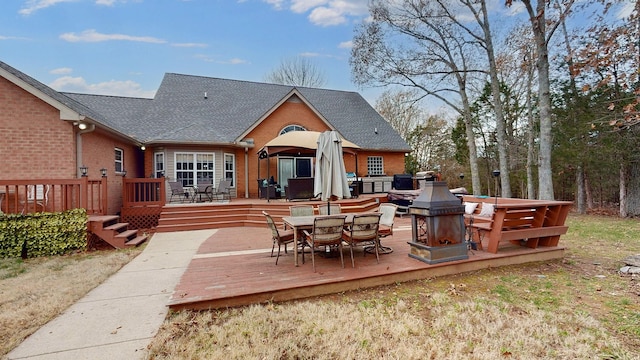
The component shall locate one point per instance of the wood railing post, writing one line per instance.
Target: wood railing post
(84, 192)
(163, 192)
(105, 198)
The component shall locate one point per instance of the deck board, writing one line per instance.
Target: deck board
(234, 268)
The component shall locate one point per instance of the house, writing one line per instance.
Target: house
(196, 130)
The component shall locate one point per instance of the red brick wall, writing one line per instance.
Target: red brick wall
(288, 114)
(98, 151)
(35, 143)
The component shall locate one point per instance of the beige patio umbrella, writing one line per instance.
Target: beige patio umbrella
(331, 176)
(296, 140)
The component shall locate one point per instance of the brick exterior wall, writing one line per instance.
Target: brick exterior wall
(98, 151)
(35, 144)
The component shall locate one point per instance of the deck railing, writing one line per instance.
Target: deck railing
(143, 192)
(142, 201)
(51, 195)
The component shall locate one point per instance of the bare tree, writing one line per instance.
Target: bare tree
(400, 110)
(542, 35)
(298, 71)
(428, 136)
(436, 59)
(479, 10)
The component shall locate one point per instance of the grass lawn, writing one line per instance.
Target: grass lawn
(578, 307)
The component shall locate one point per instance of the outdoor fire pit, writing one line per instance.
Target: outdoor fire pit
(437, 224)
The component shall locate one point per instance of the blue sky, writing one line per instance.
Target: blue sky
(124, 47)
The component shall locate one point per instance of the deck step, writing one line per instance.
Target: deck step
(127, 234)
(117, 226)
(136, 241)
(114, 233)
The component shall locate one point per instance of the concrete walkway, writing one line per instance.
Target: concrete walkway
(119, 318)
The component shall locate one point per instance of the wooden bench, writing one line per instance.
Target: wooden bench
(530, 223)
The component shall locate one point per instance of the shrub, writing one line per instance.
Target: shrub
(42, 234)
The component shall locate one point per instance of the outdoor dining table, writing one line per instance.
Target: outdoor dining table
(306, 223)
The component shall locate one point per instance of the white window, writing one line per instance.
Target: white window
(289, 128)
(119, 165)
(195, 168)
(230, 168)
(375, 165)
(158, 164)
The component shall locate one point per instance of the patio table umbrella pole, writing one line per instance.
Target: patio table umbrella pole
(331, 176)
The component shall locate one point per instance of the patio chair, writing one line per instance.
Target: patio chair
(177, 189)
(363, 231)
(327, 232)
(223, 189)
(37, 195)
(280, 237)
(335, 209)
(301, 210)
(202, 189)
(388, 211)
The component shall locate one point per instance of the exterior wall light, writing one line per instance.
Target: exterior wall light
(103, 171)
(82, 126)
(83, 170)
(143, 148)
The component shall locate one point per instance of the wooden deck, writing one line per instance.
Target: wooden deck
(234, 268)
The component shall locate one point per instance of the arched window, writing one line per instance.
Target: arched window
(289, 128)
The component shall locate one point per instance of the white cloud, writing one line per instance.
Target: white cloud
(325, 12)
(61, 71)
(277, 4)
(92, 36)
(113, 87)
(2, 37)
(325, 16)
(301, 6)
(190, 45)
(346, 45)
(232, 61)
(34, 5)
(310, 54)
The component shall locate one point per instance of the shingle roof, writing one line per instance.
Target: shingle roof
(180, 112)
(123, 113)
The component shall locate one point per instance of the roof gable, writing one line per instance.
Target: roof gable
(191, 109)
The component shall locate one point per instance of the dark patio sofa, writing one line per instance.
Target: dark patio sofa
(299, 188)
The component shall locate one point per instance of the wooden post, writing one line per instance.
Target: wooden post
(104, 184)
(163, 192)
(84, 192)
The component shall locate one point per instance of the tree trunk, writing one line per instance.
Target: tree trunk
(531, 189)
(623, 190)
(632, 190)
(587, 190)
(545, 173)
(501, 134)
(471, 143)
(580, 190)
(538, 24)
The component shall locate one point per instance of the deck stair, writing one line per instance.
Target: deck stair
(212, 215)
(115, 233)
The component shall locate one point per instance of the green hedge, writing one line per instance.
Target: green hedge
(42, 234)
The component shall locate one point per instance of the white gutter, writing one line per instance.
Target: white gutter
(90, 128)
